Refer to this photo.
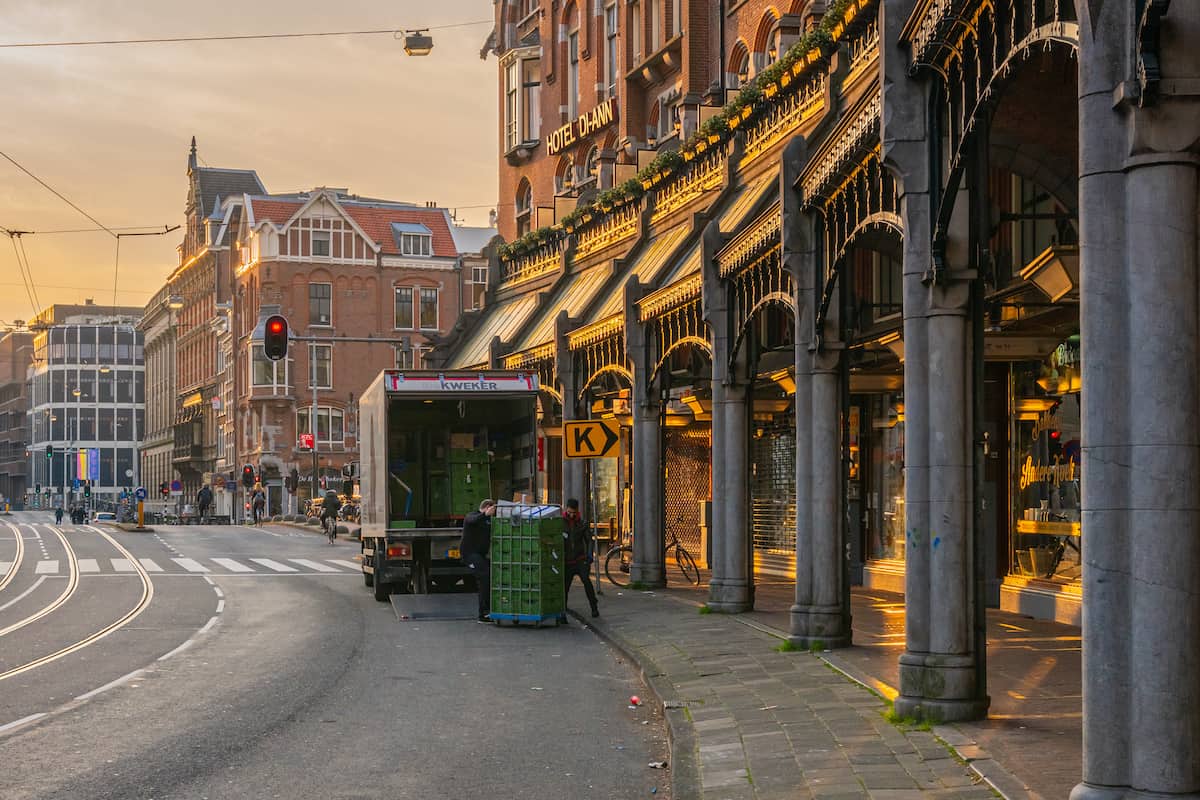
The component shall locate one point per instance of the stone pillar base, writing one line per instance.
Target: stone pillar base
(730, 596)
(647, 574)
(818, 626)
(1087, 791)
(939, 689)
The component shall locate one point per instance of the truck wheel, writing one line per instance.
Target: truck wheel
(382, 591)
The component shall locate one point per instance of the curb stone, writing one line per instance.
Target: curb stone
(681, 736)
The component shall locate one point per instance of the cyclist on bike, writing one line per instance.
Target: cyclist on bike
(329, 511)
(578, 553)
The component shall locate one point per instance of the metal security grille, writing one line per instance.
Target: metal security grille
(688, 464)
(773, 499)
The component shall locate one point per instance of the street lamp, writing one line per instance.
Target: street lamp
(105, 369)
(175, 302)
(418, 42)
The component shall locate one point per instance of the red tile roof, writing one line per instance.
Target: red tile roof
(376, 222)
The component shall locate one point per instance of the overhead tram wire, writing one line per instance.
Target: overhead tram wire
(12, 237)
(56, 193)
(29, 270)
(247, 37)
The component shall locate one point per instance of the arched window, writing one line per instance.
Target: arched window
(591, 164)
(739, 66)
(766, 43)
(524, 203)
(564, 176)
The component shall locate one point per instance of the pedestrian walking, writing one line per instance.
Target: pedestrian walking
(578, 552)
(258, 503)
(475, 546)
(58, 515)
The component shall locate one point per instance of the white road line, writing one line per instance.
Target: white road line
(122, 565)
(218, 592)
(208, 625)
(317, 565)
(111, 684)
(177, 650)
(275, 565)
(88, 565)
(149, 565)
(220, 605)
(354, 565)
(233, 566)
(23, 594)
(190, 565)
(18, 723)
(48, 567)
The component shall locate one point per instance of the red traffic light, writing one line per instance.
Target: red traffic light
(275, 337)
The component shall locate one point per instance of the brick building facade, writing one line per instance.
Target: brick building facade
(589, 93)
(16, 356)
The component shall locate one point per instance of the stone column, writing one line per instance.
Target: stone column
(1140, 310)
(731, 587)
(940, 668)
(569, 381)
(819, 616)
(647, 566)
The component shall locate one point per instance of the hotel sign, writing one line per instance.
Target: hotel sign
(585, 125)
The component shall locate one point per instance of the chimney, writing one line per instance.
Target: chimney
(89, 302)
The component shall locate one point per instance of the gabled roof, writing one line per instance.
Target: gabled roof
(471, 240)
(376, 219)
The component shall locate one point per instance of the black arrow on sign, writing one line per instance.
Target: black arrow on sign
(610, 438)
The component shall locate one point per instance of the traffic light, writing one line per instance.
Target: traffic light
(247, 476)
(49, 451)
(87, 488)
(275, 337)
(37, 488)
(164, 488)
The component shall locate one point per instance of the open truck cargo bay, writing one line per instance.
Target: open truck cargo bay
(434, 445)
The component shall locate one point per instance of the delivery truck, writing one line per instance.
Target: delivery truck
(433, 446)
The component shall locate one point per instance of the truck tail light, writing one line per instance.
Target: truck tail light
(399, 551)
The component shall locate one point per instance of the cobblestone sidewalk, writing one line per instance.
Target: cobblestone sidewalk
(748, 721)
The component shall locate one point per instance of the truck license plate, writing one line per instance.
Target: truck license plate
(452, 553)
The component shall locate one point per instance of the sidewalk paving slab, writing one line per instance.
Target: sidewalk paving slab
(748, 721)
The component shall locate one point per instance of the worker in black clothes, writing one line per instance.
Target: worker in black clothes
(476, 542)
(578, 553)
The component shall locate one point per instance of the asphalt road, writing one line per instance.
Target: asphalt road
(228, 662)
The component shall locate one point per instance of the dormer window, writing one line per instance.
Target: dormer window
(320, 244)
(413, 239)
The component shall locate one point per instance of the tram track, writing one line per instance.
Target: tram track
(63, 597)
(92, 638)
(17, 557)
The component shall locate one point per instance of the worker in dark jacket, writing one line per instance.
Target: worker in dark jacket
(475, 545)
(578, 553)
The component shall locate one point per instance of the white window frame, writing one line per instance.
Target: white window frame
(477, 285)
(329, 322)
(419, 293)
(404, 358)
(573, 72)
(611, 51)
(529, 101)
(512, 104)
(314, 362)
(328, 413)
(676, 26)
(635, 34)
(656, 25)
(275, 384)
(324, 237)
(416, 244)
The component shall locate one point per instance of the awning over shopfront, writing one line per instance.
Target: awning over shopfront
(574, 295)
(502, 320)
(646, 268)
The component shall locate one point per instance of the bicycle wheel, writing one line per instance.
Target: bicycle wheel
(616, 565)
(687, 565)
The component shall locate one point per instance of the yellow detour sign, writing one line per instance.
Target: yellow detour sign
(593, 438)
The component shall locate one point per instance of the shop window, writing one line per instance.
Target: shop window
(1046, 441)
(884, 479)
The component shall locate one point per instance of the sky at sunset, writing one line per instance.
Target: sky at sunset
(109, 127)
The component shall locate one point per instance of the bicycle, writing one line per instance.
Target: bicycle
(329, 524)
(619, 558)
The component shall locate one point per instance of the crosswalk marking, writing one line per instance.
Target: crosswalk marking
(275, 565)
(149, 565)
(354, 565)
(233, 566)
(48, 567)
(122, 565)
(190, 565)
(88, 565)
(317, 565)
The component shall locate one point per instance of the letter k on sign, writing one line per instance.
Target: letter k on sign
(594, 438)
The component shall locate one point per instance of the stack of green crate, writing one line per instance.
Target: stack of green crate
(527, 570)
(469, 481)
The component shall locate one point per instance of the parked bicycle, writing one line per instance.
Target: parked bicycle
(619, 558)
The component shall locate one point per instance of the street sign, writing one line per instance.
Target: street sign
(593, 438)
(140, 494)
(230, 486)
(306, 441)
